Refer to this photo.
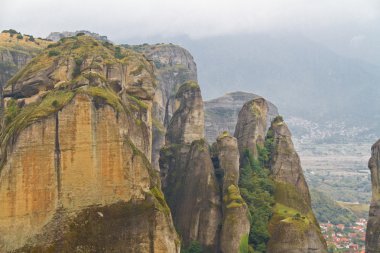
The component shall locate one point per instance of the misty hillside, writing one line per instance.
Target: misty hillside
(303, 78)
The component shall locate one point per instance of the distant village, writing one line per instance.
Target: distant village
(345, 239)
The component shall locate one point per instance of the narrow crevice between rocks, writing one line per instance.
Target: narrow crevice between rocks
(57, 160)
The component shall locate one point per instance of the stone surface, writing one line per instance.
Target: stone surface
(187, 124)
(373, 226)
(221, 114)
(293, 226)
(235, 223)
(252, 125)
(174, 66)
(75, 174)
(187, 173)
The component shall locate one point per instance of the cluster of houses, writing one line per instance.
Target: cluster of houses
(345, 239)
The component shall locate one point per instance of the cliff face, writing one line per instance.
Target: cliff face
(373, 226)
(75, 171)
(173, 66)
(251, 125)
(15, 53)
(235, 223)
(187, 172)
(221, 114)
(293, 226)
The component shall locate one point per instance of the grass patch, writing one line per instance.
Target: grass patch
(49, 104)
(107, 94)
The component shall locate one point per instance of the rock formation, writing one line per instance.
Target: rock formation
(56, 36)
(187, 172)
(173, 66)
(293, 226)
(16, 51)
(235, 223)
(373, 225)
(75, 174)
(221, 113)
(251, 125)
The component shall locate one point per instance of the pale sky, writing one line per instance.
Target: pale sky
(352, 25)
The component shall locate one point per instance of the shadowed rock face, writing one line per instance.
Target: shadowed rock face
(187, 173)
(251, 125)
(235, 223)
(75, 173)
(187, 124)
(373, 226)
(285, 163)
(174, 65)
(293, 226)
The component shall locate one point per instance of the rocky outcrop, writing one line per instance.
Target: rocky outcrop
(251, 125)
(293, 226)
(187, 124)
(187, 173)
(235, 223)
(221, 114)
(285, 163)
(16, 52)
(56, 36)
(75, 174)
(373, 225)
(174, 65)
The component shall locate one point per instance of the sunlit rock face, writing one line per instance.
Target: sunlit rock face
(75, 171)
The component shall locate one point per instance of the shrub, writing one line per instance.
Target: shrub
(53, 53)
(78, 64)
(195, 247)
(31, 38)
(80, 34)
(10, 31)
(257, 189)
(118, 53)
(19, 36)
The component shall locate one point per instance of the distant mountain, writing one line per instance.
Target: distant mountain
(303, 78)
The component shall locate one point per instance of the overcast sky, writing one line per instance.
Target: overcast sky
(342, 24)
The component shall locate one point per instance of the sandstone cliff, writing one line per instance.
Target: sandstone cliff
(373, 226)
(221, 114)
(251, 125)
(293, 226)
(173, 66)
(187, 172)
(75, 174)
(235, 223)
(16, 51)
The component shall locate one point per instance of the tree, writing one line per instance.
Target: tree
(257, 189)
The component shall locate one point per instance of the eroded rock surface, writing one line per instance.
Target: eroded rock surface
(235, 223)
(187, 172)
(373, 226)
(75, 174)
(252, 125)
